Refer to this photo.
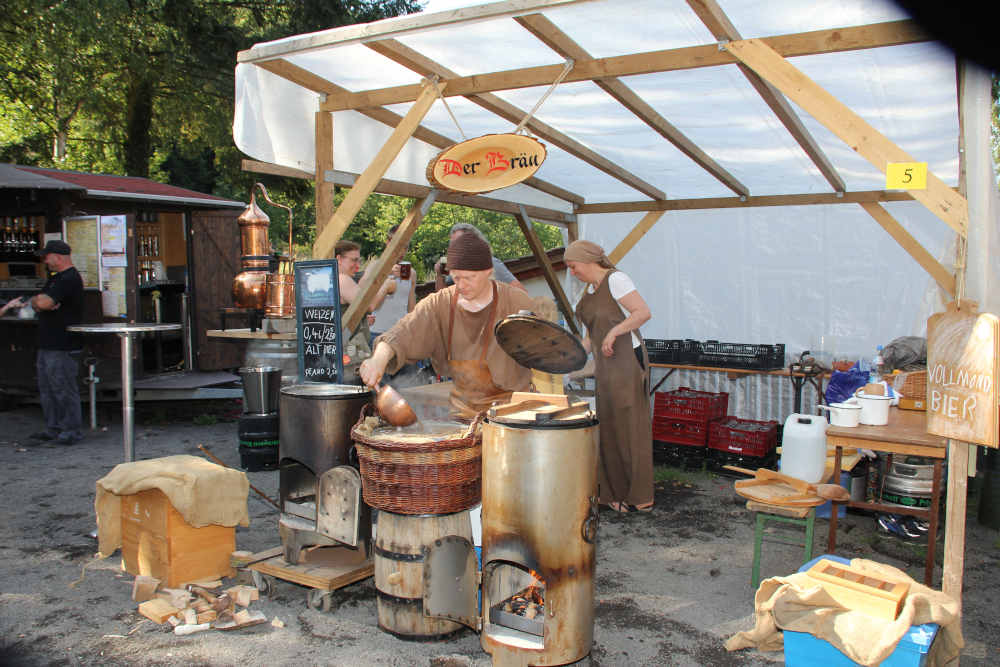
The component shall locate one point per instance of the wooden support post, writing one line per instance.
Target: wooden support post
(377, 274)
(524, 222)
(940, 199)
(954, 520)
(324, 162)
(633, 236)
(365, 185)
(912, 247)
(572, 232)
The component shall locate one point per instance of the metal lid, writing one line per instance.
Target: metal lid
(326, 390)
(539, 344)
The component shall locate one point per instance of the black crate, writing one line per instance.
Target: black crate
(715, 459)
(672, 351)
(747, 356)
(679, 455)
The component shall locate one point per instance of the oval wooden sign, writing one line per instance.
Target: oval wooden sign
(486, 163)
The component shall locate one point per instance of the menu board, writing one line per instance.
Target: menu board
(82, 236)
(963, 363)
(317, 306)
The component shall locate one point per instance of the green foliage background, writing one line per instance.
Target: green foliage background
(145, 88)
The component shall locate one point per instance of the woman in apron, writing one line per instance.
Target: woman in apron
(454, 328)
(612, 311)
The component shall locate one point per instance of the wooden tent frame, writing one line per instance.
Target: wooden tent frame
(762, 61)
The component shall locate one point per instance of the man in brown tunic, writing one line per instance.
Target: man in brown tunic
(454, 328)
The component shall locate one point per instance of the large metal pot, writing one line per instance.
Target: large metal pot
(316, 421)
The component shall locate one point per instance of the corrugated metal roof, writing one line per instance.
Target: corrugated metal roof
(104, 185)
(13, 177)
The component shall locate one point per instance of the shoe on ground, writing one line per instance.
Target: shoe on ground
(44, 435)
(69, 438)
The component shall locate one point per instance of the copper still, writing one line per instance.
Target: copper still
(250, 284)
(281, 291)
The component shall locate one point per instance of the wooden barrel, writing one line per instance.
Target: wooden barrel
(399, 572)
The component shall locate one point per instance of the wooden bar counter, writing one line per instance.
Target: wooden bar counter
(906, 433)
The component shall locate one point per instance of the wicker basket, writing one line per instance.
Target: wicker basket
(430, 477)
(911, 385)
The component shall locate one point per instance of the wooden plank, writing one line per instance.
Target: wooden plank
(633, 236)
(905, 427)
(954, 520)
(692, 57)
(557, 40)
(324, 161)
(417, 62)
(524, 222)
(325, 577)
(306, 79)
(722, 29)
(402, 189)
(868, 142)
(402, 24)
(157, 610)
(246, 334)
(701, 203)
(250, 558)
(355, 199)
(377, 274)
(912, 247)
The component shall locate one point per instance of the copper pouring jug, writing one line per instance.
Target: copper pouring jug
(393, 407)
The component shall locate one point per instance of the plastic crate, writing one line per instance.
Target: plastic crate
(747, 356)
(680, 431)
(715, 459)
(743, 436)
(688, 457)
(672, 351)
(690, 404)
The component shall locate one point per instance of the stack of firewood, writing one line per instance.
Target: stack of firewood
(198, 607)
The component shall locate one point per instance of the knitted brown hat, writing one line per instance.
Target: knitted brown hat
(468, 252)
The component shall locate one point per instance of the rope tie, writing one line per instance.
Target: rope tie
(567, 67)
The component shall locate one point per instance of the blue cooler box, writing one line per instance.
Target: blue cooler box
(804, 650)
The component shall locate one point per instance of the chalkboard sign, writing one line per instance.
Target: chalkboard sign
(317, 309)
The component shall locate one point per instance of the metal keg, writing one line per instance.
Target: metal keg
(909, 482)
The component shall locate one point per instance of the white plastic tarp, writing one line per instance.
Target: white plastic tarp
(825, 278)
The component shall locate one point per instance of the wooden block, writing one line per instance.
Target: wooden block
(190, 616)
(200, 605)
(245, 558)
(243, 595)
(176, 597)
(157, 610)
(242, 616)
(209, 584)
(158, 542)
(144, 588)
(861, 592)
(207, 616)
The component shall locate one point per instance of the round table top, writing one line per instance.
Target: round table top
(123, 327)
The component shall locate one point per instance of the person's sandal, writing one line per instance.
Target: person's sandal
(641, 508)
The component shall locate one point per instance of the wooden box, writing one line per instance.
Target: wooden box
(859, 592)
(158, 542)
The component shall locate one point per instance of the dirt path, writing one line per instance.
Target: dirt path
(670, 585)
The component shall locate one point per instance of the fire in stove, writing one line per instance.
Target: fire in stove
(525, 610)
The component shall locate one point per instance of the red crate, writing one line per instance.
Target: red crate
(680, 431)
(690, 404)
(743, 436)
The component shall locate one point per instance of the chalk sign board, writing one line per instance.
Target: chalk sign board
(962, 369)
(317, 310)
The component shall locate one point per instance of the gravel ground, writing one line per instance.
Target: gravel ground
(670, 585)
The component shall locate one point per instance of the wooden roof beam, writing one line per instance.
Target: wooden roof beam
(538, 250)
(913, 248)
(407, 57)
(720, 26)
(703, 203)
(546, 31)
(868, 142)
(317, 84)
(834, 40)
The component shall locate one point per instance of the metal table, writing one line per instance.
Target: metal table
(126, 332)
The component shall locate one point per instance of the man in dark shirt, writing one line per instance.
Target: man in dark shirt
(59, 305)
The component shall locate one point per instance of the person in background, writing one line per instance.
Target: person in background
(11, 305)
(612, 310)
(400, 302)
(454, 328)
(59, 305)
(500, 270)
(348, 256)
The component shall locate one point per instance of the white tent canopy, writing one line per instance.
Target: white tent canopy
(657, 114)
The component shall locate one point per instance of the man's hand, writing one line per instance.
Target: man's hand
(372, 368)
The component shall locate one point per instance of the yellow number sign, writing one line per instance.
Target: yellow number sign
(906, 176)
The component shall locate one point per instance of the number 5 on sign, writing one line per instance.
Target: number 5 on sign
(906, 176)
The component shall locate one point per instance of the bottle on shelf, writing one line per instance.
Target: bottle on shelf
(877, 366)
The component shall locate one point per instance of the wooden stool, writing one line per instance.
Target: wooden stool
(799, 516)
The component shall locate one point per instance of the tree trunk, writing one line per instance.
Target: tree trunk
(139, 116)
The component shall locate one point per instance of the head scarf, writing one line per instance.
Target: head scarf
(468, 252)
(587, 251)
